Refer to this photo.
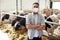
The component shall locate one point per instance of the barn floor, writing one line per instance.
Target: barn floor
(8, 30)
(12, 34)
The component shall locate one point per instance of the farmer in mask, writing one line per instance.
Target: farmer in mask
(35, 23)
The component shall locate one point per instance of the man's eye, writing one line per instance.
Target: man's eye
(35, 6)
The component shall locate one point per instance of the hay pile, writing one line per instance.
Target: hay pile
(14, 35)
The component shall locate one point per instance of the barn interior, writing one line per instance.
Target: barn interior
(13, 14)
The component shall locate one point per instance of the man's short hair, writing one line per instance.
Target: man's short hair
(36, 3)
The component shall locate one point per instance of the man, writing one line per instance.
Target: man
(35, 24)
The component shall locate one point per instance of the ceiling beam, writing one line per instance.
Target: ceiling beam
(55, 0)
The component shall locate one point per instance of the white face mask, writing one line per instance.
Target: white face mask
(35, 9)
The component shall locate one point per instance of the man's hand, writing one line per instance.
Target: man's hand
(32, 26)
(29, 26)
(36, 27)
(41, 28)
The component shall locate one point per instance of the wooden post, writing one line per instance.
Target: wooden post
(51, 4)
(16, 6)
(20, 4)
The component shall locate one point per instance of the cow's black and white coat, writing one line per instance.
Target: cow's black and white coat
(18, 22)
(6, 16)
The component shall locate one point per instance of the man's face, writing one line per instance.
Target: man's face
(35, 8)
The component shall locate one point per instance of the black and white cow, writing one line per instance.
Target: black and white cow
(18, 22)
(6, 16)
(47, 25)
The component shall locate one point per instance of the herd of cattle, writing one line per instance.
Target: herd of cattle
(17, 22)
